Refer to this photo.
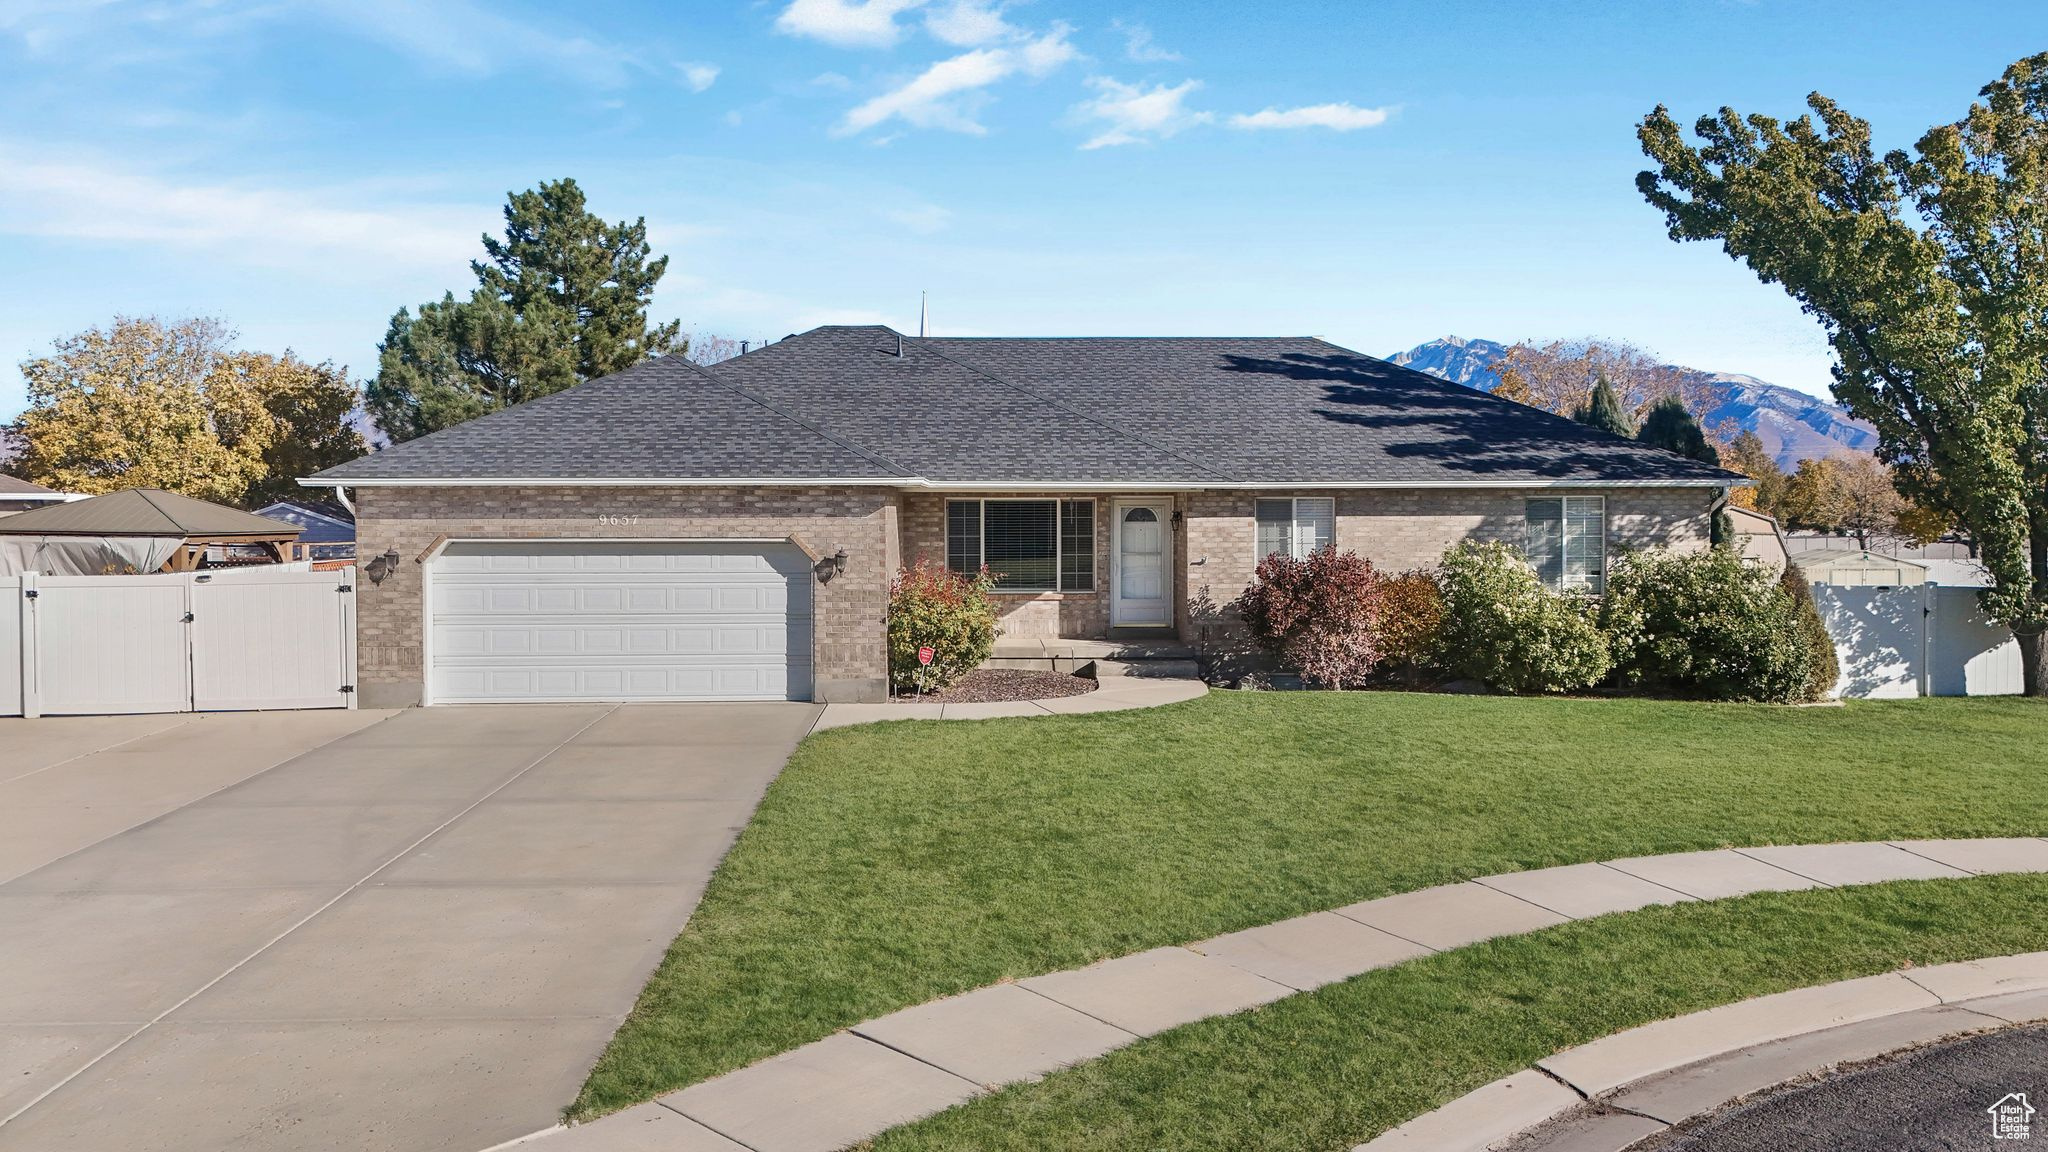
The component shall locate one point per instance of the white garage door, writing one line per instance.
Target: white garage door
(620, 620)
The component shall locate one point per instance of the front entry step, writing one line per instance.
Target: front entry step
(1152, 659)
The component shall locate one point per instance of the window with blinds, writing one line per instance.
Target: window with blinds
(1297, 526)
(1027, 545)
(1567, 541)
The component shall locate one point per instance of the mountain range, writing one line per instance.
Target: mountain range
(1793, 425)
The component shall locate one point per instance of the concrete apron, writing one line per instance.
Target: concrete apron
(417, 936)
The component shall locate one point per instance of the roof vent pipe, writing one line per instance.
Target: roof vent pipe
(743, 346)
(899, 345)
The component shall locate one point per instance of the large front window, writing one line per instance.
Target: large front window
(1027, 545)
(1568, 541)
(1296, 527)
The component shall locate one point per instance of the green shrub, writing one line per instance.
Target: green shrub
(1822, 668)
(1501, 625)
(947, 611)
(1704, 624)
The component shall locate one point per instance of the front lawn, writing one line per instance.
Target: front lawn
(892, 864)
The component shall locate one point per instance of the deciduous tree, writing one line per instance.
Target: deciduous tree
(1928, 272)
(1560, 376)
(561, 299)
(146, 404)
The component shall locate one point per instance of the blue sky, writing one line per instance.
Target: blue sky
(1376, 173)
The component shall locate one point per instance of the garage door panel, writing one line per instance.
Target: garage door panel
(609, 620)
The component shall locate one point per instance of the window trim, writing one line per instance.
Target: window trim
(1059, 541)
(1293, 521)
(1597, 585)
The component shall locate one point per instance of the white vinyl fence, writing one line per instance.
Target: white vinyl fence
(1917, 640)
(224, 640)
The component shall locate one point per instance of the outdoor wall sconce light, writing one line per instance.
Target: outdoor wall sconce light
(1176, 521)
(829, 566)
(380, 568)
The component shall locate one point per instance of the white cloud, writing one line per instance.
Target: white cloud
(699, 76)
(1131, 113)
(465, 37)
(83, 197)
(949, 93)
(833, 80)
(923, 219)
(1138, 44)
(932, 100)
(1336, 117)
(846, 23)
(969, 23)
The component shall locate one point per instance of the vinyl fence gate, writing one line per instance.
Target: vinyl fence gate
(1917, 640)
(225, 640)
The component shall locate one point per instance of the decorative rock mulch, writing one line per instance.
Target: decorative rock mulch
(997, 685)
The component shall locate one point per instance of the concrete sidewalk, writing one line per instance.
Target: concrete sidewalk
(415, 937)
(851, 1086)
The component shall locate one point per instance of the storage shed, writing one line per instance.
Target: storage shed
(1860, 569)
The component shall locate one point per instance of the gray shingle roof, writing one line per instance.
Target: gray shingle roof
(839, 402)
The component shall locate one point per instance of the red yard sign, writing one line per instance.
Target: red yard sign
(925, 654)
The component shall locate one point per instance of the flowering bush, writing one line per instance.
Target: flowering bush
(947, 611)
(1705, 624)
(1317, 615)
(1410, 627)
(1501, 625)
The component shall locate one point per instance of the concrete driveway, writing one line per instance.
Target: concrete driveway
(406, 931)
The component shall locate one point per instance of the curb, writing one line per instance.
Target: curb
(1611, 1093)
(1125, 696)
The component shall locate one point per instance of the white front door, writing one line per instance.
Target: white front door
(1139, 598)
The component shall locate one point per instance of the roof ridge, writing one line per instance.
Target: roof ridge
(749, 394)
(143, 494)
(1061, 404)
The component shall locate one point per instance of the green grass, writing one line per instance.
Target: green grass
(893, 864)
(1331, 1068)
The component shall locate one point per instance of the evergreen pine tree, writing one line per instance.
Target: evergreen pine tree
(1604, 411)
(1669, 426)
(560, 300)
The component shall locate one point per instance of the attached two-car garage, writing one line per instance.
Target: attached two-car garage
(567, 620)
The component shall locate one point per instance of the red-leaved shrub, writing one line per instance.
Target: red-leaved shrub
(1411, 617)
(1318, 615)
(950, 613)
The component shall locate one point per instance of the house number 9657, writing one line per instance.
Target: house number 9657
(616, 521)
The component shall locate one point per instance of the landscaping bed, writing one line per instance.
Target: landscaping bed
(998, 685)
(892, 865)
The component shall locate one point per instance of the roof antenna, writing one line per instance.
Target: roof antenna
(923, 314)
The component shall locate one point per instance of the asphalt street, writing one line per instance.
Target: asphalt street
(1923, 1100)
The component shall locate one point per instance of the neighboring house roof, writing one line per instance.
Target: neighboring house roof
(16, 486)
(319, 521)
(144, 512)
(842, 403)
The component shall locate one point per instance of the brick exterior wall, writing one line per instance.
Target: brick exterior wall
(1397, 529)
(1402, 529)
(849, 657)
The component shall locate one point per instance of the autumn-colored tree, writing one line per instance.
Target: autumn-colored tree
(1927, 271)
(1855, 495)
(1560, 376)
(1745, 453)
(148, 404)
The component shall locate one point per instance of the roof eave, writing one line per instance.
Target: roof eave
(920, 482)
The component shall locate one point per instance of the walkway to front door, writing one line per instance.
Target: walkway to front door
(1140, 584)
